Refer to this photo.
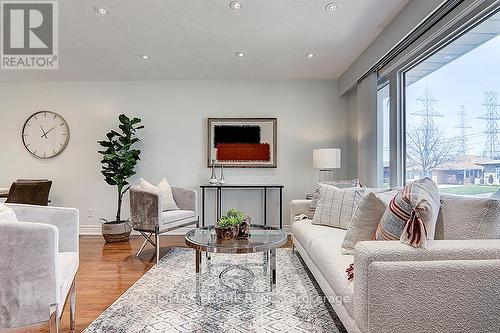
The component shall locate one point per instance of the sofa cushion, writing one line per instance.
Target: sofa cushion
(340, 183)
(335, 205)
(67, 265)
(468, 218)
(176, 215)
(7, 214)
(325, 254)
(364, 221)
(305, 232)
(412, 214)
(164, 192)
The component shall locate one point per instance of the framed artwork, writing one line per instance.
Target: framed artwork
(242, 142)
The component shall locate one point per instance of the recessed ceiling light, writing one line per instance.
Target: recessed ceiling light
(101, 10)
(235, 5)
(309, 55)
(144, 57)
(240, 54)
(331, 7)
(448, 57)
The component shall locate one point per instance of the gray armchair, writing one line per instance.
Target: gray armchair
(38, 265)
(147, 217)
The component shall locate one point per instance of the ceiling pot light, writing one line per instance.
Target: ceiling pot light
(101, 10)
(235, 5)
(309, 55)
(448, 57)
(240, 54)
(331, 7)
(144, 57)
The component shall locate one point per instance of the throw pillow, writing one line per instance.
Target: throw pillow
(164, 192)
(411, 215)
(364, 221)
(341, 183)
(7, 214)
(335, 205)
(468, 218)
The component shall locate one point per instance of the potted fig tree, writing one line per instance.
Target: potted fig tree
(119, 159)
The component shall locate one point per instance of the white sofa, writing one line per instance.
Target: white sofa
(453, 285)
(38, 265)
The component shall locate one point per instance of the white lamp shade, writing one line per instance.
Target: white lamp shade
(327, 158)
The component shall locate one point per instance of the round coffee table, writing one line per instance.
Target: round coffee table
(262, 239)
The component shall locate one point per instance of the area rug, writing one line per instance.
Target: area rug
(163, 300)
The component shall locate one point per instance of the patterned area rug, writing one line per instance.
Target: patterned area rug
(163, 300)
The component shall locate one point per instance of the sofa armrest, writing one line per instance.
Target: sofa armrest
(28, 261)
(401, 288)
(145, 210)
(65, 219)
(299, 206)
(185, 198)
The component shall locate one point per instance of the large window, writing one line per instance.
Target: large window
(452, 114)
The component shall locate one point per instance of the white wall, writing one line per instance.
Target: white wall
(310, 115)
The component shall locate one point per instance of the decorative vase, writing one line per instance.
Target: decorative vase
(244, 228)
(114, 232)
(213, 179)
(222, 180)
(226, 233)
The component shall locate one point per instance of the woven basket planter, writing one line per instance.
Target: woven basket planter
(116, 232)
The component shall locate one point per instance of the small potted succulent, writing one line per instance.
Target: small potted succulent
(234, 224)
(227, 228)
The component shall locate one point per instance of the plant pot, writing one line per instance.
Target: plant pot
(244, 228)
(114, 231)
(226, 233)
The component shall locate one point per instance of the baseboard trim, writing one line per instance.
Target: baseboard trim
(95, 230)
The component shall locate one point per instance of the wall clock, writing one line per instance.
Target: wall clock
(45, 134)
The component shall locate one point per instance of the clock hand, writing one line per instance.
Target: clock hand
(44, 134)
(49, 130)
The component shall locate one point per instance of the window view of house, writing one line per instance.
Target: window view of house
(453, 115)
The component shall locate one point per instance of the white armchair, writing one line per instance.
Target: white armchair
(38, 265)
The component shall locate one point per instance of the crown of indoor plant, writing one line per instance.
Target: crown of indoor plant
(119, 157)
(229, 225)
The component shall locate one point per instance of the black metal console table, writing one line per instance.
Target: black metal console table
(218, 197)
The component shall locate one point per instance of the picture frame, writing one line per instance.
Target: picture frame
(242, 142)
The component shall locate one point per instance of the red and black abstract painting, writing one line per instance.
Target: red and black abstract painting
(242, 142)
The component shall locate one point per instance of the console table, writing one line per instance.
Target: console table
(218, 197)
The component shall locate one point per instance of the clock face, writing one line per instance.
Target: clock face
(45, 134)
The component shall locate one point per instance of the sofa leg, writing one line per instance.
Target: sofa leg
(293, 246)
(54, 319)
(72, 306)
(157, 245)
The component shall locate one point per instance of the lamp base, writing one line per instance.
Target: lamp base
(325, 175)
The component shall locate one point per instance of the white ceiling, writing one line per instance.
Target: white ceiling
(197, 39)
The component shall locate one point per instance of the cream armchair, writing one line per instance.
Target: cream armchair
(38, 265)
(147, 217)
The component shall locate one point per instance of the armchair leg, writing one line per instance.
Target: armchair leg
(157, 244)
(142, 247)
(72, 306)
(54, 320)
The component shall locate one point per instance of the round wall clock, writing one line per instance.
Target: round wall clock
(45, 134)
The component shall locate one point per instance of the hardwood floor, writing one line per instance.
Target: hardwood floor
(106, 271)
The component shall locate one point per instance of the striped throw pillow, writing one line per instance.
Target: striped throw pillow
(341, 183)
(336, 205)
(411, 215)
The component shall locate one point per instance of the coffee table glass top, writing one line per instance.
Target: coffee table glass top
(262, 238)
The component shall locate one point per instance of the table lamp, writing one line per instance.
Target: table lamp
(326, 159)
